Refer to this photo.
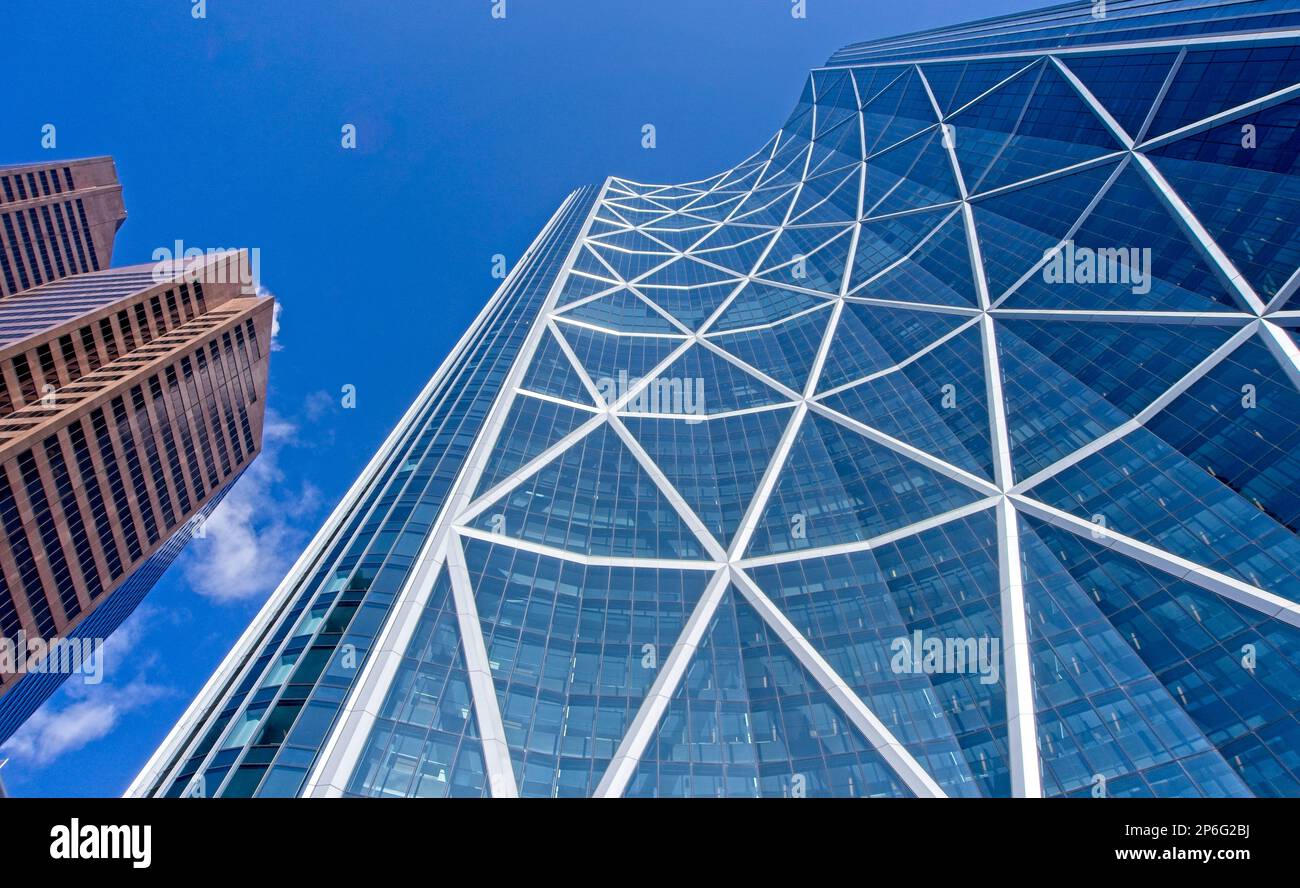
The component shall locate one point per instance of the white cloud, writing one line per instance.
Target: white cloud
(79, 713)
(52, 731)
(275, 320)
(253, 537)
(318, 403)
(249, 543)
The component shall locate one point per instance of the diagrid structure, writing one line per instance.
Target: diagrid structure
(945, 446)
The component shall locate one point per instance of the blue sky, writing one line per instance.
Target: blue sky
(470, 131)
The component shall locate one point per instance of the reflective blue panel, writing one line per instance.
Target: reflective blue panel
(425, 742)
(658, 239)
(1130, 254)
(606, 356)
(837, 100)
(838, 150)
(883, 242)
(829, 197)
(589, 263)
(749, 721)
(637, 240)
(1239, 424)
(730, 236)
(1212, 80)
(1104, 719)
(630, 265)
(580, 286)
(760, 303)
(872, 338)
(956, 84)
(606, 219)
(917, 173)
(1050, 412)
(838, 486)
(602, 226)
(701, 382)
(686, 272)
(871, 615)
(1128, 364)
(715, 465)
(1125, 83)
(1018, 227)
(594, 499)
(1033, 125)
(713, 207)
(573, 650)
(938, 271)
(1141, 487)
(531, 426)
(623, 311)
(938, 403)
(900, 110)
(812, 258)
(786, 164)
(1233, 670)
(1075, 25)
(735, 247)
(785, 350)
(691, 306)
(873, 81)
(1223, 170)
(552, 373)
(770, 206)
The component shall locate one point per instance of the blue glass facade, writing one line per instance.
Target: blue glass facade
(946, 446)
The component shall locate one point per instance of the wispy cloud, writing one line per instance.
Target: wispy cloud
(318, 404)
(79, 713)
(249, 543)
(253, 537)
(275, 319)
(53, 731)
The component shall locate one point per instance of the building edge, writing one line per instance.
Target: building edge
(168, 754)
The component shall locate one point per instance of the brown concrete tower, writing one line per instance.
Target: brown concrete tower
(57, 220)
(130, 400)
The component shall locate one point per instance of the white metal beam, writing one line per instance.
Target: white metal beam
(1267, 603)
(184, 734)
(345, 744)
(1022, 722)
(875, 542)
(638, 735)
(478, 668)
(1226, 268)
(1143, 416)
(1279, 341)
(915, 454)
(895, 755)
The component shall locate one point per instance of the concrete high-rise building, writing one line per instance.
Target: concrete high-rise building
(130, 400)
(58, 220)
(946, 446)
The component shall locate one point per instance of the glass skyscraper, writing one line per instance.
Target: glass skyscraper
(945, 446)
